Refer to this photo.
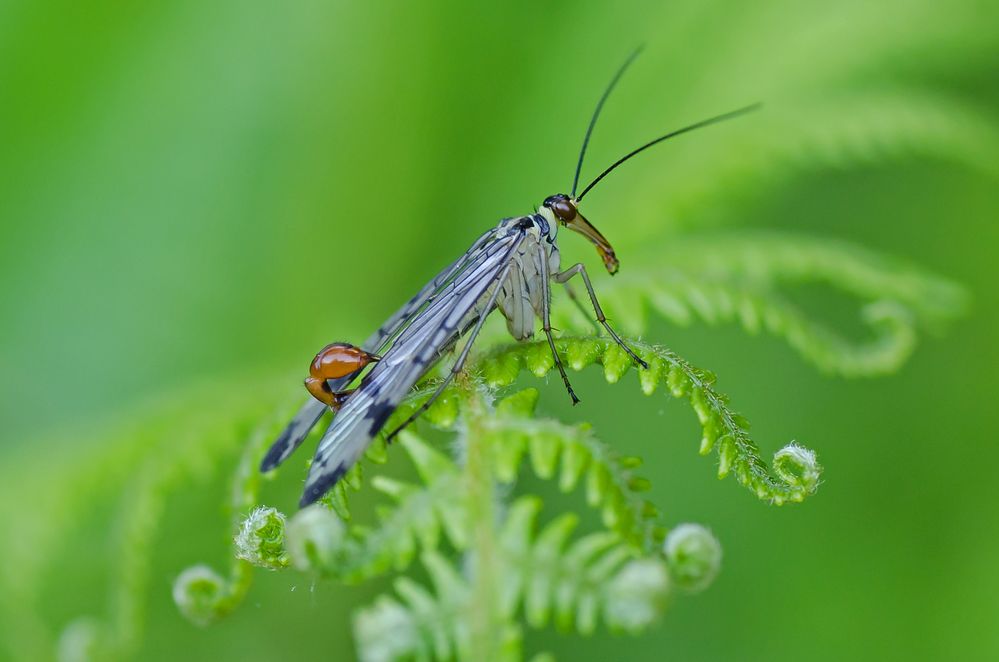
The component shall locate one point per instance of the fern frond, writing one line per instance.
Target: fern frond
(739, 276)
(441, 414)
(420, 624)
(791, 137)
(576, 583)
(694, 556)
(414, 521)
(795, 472)
(204, 596)
(776, 257)
(577, 456)
(880, 124)
(610, 483)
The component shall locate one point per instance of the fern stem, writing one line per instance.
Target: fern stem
(485, 618)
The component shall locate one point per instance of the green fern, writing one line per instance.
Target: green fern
(620, 576)
(509, 435)
(723, 277)
(594, 577)
(721, 427)
(574, 583)
(422, 624)
(576, 455)
(418, 516)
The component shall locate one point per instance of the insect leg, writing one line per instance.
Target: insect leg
(579, 305)
(452, 342)
(460, 363)
(578, 268)
(546, 301)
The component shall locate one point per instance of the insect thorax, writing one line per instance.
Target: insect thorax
(521, 296)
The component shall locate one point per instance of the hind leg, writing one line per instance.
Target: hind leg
(564, 277)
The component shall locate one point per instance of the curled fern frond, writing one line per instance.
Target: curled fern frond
(199, 593)
(260, 540)
(202, 594)
(722, 428)
(694, 556)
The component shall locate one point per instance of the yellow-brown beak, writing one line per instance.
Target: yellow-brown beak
(585, 228)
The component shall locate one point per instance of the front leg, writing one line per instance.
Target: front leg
(578, 268)
(546, 296)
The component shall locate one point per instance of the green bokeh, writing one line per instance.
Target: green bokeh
(194, 190)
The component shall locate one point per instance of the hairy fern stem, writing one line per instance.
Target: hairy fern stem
(487, 625)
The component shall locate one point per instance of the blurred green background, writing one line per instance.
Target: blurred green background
(196, 196)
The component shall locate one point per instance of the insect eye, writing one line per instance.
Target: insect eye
(564, 210)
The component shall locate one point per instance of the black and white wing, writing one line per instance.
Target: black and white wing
(309, 414)
(412, 354)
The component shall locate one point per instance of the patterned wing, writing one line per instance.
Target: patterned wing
(414, 352)
(309, 414)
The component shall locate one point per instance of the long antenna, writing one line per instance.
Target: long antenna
(596, 114)
(671, 134)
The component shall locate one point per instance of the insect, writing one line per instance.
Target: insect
(510, 267)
